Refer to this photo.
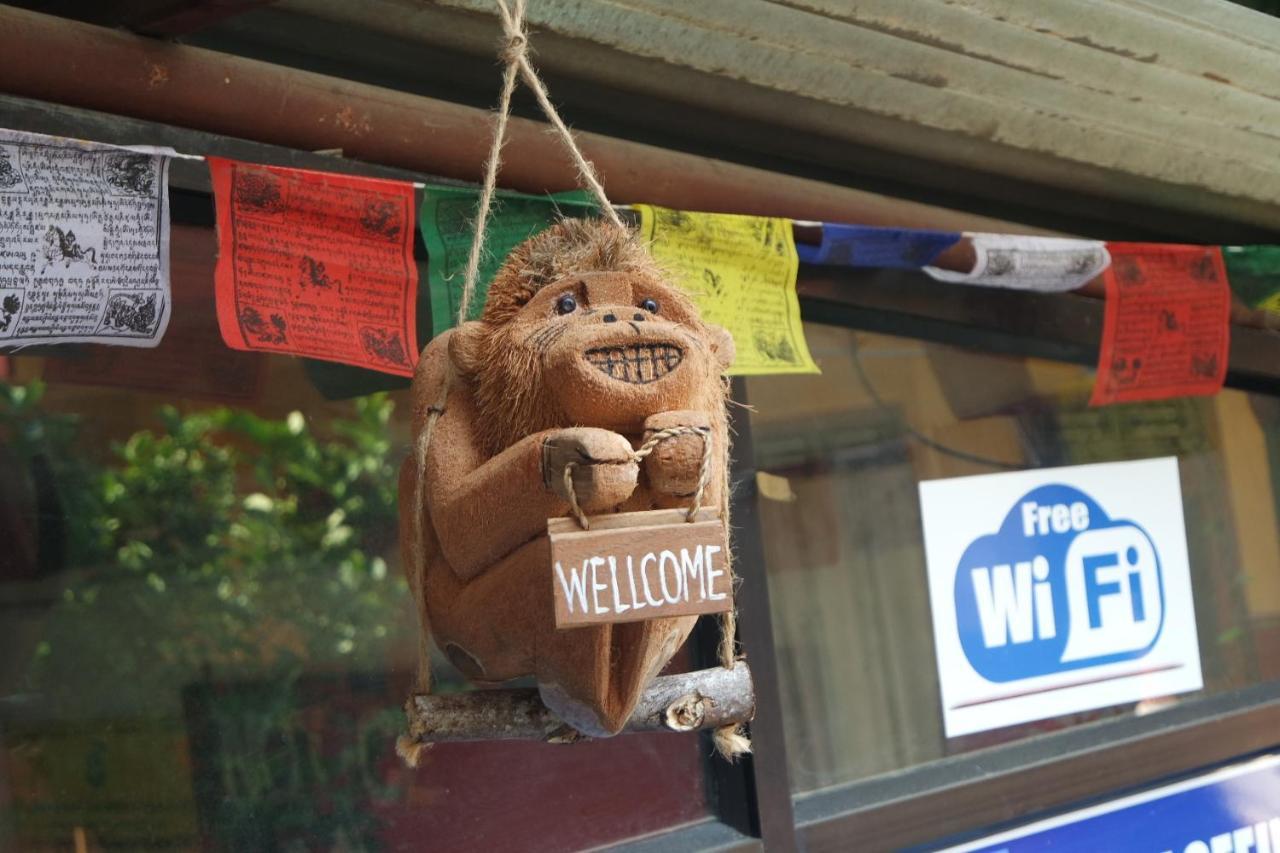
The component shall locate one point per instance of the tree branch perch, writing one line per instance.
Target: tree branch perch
(685, 702)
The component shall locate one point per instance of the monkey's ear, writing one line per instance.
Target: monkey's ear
(722, 345)
(464, 347)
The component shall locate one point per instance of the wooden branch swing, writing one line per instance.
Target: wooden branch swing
(687, 702)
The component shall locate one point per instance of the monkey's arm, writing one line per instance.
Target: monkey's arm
(483, 509)
(477, 510)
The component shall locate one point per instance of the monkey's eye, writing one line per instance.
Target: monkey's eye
(566, 304)
(650, 305)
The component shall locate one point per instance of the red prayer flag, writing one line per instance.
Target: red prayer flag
(316, 264)
(1167, 323)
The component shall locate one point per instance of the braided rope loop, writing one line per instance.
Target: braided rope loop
(704, 471)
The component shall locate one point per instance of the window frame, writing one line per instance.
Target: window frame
(737, 821)
(973, 794)
(751, 801)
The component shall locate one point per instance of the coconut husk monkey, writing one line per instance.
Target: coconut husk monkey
(583, 351)
(589, 385)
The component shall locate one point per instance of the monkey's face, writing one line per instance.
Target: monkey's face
(619, 347)
(604, 349)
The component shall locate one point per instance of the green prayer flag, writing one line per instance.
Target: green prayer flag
(447, 219)
(1254, 273)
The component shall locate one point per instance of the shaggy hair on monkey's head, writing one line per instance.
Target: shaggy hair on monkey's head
(514, 396)
(570, 246)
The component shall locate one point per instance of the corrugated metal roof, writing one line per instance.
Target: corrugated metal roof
(1172, 104)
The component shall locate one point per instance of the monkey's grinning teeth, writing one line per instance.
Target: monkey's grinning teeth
(638, 364)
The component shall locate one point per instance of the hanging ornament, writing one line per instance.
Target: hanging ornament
(564, 513)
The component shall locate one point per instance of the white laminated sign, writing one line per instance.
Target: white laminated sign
(1058, 590)
(84, 242)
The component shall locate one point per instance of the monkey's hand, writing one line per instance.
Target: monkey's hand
(604, 473)
(675, 465)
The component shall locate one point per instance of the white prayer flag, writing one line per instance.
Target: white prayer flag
(84, 242)
(1047, 264)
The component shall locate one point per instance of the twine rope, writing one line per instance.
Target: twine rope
(491, 166)
(517, 53)
(704, 470)
(515, 56)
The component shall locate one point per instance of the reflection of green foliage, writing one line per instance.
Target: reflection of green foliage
(282, 780)
(218, 544)
(222, 558)
(40, 441)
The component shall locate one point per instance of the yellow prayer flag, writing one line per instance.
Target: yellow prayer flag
(741, 270)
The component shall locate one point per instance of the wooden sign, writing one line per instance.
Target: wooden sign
(639, 565)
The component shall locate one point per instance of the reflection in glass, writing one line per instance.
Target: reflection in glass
(207, 638)
(842, 455)
(198, 570)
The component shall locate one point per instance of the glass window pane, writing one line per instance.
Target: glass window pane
(207, 638)
(842, 454)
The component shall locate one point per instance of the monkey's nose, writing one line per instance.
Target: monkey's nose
(638, 317)
(610, 318)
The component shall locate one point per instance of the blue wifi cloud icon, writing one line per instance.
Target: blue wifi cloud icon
(1060, 586)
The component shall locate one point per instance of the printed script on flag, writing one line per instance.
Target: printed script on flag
(84, 242)
(741, 270)
(1167, 324)
(447, 220)
(316, 264)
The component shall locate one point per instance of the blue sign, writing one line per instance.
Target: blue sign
(1060, 586)
(1233, 810)
(868, 246)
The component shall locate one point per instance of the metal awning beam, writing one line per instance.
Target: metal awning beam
(128, 75)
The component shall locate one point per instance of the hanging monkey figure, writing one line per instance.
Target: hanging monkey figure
(583, 350)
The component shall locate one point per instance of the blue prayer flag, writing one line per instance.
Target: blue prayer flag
(868, 246)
